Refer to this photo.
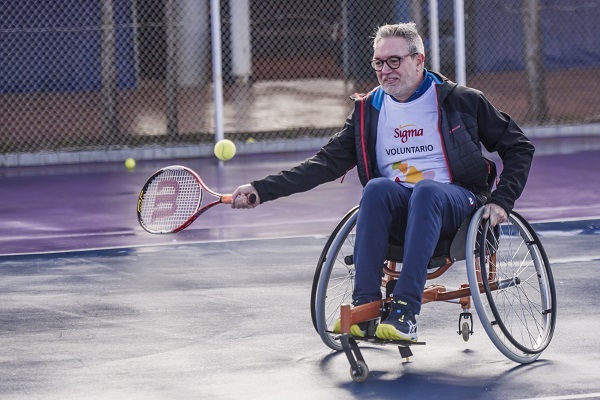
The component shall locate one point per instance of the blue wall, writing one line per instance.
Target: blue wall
(570, 34)
(54, 46)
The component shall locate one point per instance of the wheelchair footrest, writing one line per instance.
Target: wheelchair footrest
(376, 340)
(355, 357)
(401, 343)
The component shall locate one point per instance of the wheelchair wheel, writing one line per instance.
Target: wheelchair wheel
(334, 279)
(516, 304)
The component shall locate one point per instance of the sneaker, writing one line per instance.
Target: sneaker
(400, 325)
(356, 330)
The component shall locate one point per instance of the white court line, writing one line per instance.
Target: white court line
(175, 242)
(553, 261)
(568, 260)
(573, 219)
(561, 208)
(163, 244)
(133, 231)
(136, 230)
(567, 397)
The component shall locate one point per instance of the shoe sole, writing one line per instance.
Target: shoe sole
(388, 332)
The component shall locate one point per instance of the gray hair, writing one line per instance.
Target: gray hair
(408, 31)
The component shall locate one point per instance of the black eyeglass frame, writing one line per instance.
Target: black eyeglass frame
(386, 61)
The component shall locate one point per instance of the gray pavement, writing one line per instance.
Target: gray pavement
(231, 320)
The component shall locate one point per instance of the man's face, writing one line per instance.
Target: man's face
(402, 82)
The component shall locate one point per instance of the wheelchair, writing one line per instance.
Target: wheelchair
(509, 278)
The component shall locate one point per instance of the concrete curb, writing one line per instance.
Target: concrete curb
(555, 139)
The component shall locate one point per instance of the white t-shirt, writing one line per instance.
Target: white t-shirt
(409, 146)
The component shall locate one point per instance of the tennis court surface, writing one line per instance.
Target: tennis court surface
(93, 307)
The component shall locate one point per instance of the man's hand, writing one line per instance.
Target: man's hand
(240, 197)
(495, 213)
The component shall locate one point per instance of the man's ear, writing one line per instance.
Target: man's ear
(420, 60)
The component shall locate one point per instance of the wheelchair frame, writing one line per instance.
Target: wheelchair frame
(510, 255)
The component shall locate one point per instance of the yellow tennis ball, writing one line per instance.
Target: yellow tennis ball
(225, 149)
(130, 163)
(250, 140)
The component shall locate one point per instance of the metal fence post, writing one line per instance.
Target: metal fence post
(215, 17)
(459, 34)
(434, 35)
(534, 60)
(108, 71)
(171, 69)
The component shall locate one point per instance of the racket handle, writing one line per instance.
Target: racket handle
(227, 199)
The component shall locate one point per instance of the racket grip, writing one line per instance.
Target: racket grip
(227, 199)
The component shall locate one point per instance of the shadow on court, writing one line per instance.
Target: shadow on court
(93, 307)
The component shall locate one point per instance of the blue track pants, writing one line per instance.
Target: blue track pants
(417, 217)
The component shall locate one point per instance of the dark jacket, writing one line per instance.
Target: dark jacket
(467, 121)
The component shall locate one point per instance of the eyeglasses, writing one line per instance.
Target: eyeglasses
(392, 62)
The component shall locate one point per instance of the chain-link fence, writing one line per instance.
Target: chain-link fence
(105, 74)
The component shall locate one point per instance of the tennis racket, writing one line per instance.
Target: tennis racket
(172, 199)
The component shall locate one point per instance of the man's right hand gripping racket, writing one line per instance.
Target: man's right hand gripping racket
(172, 199)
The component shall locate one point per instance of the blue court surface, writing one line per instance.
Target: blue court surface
(93, 307)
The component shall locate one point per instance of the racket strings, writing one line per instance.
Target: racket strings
(170, 200)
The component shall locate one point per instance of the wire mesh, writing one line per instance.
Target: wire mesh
(100, 75)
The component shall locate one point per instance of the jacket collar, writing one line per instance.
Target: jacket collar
(444, 85)
(428, 79)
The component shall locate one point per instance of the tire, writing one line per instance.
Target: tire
(322, 258)
(362, 372)
(517, 303)
(335, 282)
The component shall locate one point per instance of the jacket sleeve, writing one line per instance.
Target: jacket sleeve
(331, 162)
(500, 133)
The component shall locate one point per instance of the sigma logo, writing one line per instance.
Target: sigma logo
(404, 132)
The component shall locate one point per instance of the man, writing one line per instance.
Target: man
(416, 142)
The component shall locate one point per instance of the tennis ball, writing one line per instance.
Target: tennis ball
(250, 140)
(225, 149)
(130, 163)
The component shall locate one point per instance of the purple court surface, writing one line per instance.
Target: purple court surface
(92, 206)
(93, 307)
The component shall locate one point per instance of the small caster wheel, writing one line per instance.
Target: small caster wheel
(362, 372)
(466, 332)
